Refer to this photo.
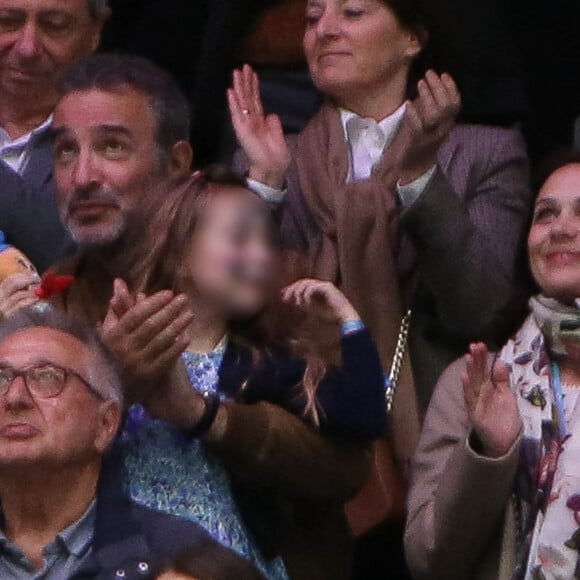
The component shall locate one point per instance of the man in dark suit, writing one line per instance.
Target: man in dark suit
(60, 409)
(29, 217)
(38, 42)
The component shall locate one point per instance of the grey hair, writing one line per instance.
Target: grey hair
(104, 377)
(98, 9)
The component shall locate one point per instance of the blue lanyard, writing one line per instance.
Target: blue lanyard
(559, 395)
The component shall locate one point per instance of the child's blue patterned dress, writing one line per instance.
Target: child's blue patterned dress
(171, 473)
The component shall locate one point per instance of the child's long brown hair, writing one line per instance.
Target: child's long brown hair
(159, 264)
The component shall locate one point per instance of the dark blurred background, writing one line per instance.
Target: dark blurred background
(516, 61)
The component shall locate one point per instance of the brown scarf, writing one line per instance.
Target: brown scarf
(356, 242)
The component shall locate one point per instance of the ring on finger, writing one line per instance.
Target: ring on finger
(246, 111)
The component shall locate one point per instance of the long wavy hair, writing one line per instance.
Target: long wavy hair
(159, 263)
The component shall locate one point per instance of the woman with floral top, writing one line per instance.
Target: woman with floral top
(496, 491)
(214, 241)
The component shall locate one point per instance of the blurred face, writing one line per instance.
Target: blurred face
(106, 162)
(233, 258)
(554, 239)
(39, 40)
(355, 46)
(73, 427)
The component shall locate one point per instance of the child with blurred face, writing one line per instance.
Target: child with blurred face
(213, 243)
(216, 242)
(231, 260)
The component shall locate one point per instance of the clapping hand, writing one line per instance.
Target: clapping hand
(261, 136)
(428, 122)
(146, 333)
(331, 304)
(491, 404)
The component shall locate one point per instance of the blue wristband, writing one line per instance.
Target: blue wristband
(351, 327)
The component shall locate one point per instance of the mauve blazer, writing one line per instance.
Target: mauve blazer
(467, 230)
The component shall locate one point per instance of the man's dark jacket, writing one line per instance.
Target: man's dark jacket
(131, 541)
(28, 209)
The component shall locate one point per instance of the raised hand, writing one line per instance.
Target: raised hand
(491, 404)
(429, 119)
(261, 136)
(17, 292)
(329, 301)
(147, 334)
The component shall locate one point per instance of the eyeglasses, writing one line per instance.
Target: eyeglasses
(44, 381)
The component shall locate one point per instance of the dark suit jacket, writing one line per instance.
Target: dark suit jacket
(28, 209)
(132, 538)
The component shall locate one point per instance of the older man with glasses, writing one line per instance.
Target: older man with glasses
(62, 513)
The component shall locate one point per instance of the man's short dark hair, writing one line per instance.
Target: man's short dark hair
(113, 72)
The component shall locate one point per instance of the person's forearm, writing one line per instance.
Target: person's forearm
(457, 497)
(468, 228)
(266, 446)
(457, 260)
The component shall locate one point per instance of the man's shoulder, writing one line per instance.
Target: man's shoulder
(133, 539)
(11, 182)
(165, 531)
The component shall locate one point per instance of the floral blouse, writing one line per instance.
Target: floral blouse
(558, 538)
(171, 473)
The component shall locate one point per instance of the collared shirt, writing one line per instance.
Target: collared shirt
(367, 139)
(16, 154)
(62, 557)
